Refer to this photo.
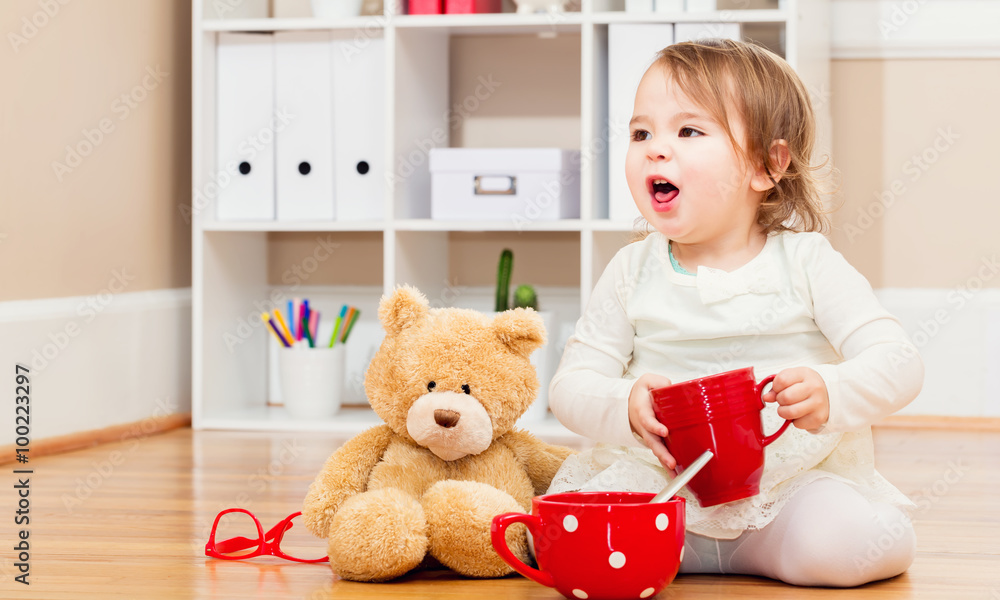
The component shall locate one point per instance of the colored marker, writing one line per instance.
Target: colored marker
(305, 330)
(313, 323)
(350, 326)
(296, 315)
(305, 315)
(284, 328)
(336, 325)
(347, 322)
(269, 323)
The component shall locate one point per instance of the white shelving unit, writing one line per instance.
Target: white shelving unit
(231, 279)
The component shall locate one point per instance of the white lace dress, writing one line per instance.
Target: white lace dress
(798, 303)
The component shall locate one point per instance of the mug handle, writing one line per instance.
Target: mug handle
(760, 394)
(498, 534)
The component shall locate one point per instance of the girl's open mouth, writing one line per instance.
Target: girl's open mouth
(662, 192)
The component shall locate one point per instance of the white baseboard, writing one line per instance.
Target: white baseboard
(957, 332)
(97, 361)
(922, 29)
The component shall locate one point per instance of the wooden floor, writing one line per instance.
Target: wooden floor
(130, 520)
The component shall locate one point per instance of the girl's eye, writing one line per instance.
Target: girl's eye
(640, 135)
(689, 132)
(466, 388)
(431, 386)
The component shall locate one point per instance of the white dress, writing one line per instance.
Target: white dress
(797, 303)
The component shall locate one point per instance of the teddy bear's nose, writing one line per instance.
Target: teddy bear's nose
(446, 418)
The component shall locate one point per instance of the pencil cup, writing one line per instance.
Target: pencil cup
(311, 380)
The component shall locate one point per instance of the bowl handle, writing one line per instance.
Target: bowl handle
(760, 392)
(498, 533)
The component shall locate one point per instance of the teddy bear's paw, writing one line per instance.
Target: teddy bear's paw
(377, 536)
(459, 515)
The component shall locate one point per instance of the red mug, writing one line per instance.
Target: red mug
(599, 545)
(720, 413)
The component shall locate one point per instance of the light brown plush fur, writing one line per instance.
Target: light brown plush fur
(384, 501)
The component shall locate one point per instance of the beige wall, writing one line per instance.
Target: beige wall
(66, 233)
(857, 117)
(920, 134)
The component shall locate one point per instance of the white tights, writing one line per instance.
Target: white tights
(826, 535)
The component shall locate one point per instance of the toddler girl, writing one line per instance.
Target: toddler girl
(736, 274)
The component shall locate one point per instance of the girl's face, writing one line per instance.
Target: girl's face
(683, 172)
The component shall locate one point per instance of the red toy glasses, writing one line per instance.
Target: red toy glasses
(270, 544)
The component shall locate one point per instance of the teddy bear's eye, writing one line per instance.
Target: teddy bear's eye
(466, 388)
(431, 386)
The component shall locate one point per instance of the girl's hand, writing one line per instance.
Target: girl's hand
(643, 421)
(802, 397)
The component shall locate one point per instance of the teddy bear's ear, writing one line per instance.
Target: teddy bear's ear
(403, 308)
(520, 329)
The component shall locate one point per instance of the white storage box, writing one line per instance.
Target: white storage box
(496, 184)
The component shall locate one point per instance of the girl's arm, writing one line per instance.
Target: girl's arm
(587, 393)
(882, 371)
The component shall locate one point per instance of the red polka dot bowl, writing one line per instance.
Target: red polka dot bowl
(599, 545)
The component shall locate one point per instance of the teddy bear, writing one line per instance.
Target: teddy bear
(422, 489)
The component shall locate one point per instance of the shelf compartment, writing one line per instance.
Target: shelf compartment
(541, 259)
(247, 273)
(468, 91)
(325, 258)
